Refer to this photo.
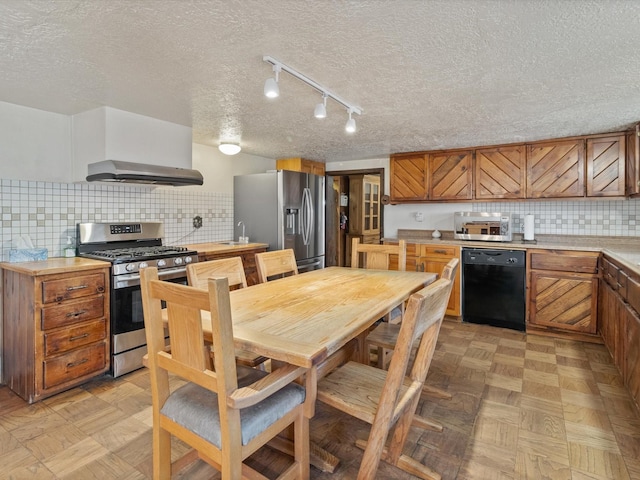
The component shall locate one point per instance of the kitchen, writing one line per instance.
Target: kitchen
(41, 199)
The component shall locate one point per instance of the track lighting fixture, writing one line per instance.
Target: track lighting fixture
(272, 90)
(321, 108)
(229, 148)
(350, 127)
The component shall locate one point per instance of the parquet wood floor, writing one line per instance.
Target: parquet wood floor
(523, 407)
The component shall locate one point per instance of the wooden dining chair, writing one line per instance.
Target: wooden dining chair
(225, 413)
(387, 400)
(377, 256)
(198, 275)
(276, 264)
(385, 335)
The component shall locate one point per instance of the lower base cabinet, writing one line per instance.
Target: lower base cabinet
(620, 322)
(563, 291)
(433, 258)
(248, 261)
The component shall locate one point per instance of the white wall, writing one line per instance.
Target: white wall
(34, 144)
(219, 169)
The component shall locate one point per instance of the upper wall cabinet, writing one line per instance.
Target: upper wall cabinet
(500, 172)
(451, 175)
(606, 166)
(298, 164)
(409, 178)
(555, 169)
(633, 162)
(595, 166)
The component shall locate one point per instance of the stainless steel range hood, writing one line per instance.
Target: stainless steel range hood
(129, 172)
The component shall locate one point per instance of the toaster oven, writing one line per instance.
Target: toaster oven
(483, 226)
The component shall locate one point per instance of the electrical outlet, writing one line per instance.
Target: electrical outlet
(197, 221)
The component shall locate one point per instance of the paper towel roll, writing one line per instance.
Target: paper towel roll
(528, 226)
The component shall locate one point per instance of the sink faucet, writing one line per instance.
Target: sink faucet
(243, 238)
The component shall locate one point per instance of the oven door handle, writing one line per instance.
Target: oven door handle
(133, 279)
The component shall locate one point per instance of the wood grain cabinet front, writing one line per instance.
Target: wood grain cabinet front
(433, 258)
(56, 330)
(563, 290)
(298, 164)
(619, 321)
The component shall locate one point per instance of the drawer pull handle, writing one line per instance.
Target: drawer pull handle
(444, 252)
(76, 314)
(79, 362)
(77, 287)
(78, 337)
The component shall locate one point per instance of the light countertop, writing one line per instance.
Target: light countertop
(625, 250)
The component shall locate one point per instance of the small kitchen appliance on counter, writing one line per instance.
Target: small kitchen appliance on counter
(130, 247)
(483, 226)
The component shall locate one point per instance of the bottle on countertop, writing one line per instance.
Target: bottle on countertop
(69, 248)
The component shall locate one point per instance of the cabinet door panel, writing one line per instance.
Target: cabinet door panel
(564, 301)
(500, 172)
(555, 170)
(408, 178)
(632, 355)
(606, 166)
(451, 176)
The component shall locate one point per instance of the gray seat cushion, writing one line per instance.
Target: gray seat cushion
(196, 408)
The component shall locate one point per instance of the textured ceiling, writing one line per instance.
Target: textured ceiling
(427, 74)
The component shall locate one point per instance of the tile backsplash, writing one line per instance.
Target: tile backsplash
(48, 212)
(589, 217)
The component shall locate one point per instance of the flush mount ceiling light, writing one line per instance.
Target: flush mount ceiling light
(229, 148)
(320, 110)
(271, 88)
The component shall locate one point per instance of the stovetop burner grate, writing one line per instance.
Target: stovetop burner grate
(138, 252)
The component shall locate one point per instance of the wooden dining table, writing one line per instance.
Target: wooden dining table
(306, 319)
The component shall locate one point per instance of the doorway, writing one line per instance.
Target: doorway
(342, 197)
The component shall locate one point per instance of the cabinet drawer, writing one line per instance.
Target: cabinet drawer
(74, 337)
(633, 294)
(443, 250)
(73, 287)
(566, 261)
(75, 364)
(72, 312)
(610, 273)
(623, 281)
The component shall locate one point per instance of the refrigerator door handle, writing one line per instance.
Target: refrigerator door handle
(307, 215)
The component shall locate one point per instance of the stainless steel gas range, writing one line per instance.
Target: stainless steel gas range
(130, 247)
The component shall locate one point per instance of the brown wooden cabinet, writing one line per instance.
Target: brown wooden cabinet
(56, 328)
(632, 164)
(433, 258)
(555, 169)
(605, 166)
(413, 252)
(298, 164)
(451, 175)
(563, 290)
(364, 205)
(500, 172)
(409, 178)
(619, 323)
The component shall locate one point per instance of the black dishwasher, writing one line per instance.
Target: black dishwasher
(493, 287)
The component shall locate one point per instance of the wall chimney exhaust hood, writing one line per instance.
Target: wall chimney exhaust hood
(130, 172)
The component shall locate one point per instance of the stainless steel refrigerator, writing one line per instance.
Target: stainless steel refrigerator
(284, 209)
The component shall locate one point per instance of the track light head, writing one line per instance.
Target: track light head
(321, 108)
(350, 127)
(271, 88)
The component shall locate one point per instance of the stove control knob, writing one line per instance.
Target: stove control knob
(188, 260)
(177, 261)
(130, 267)
(143, 265)
(162, 263)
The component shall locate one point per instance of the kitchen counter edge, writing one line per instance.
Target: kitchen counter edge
(625, 250)
(223, 247)
(54, 265)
